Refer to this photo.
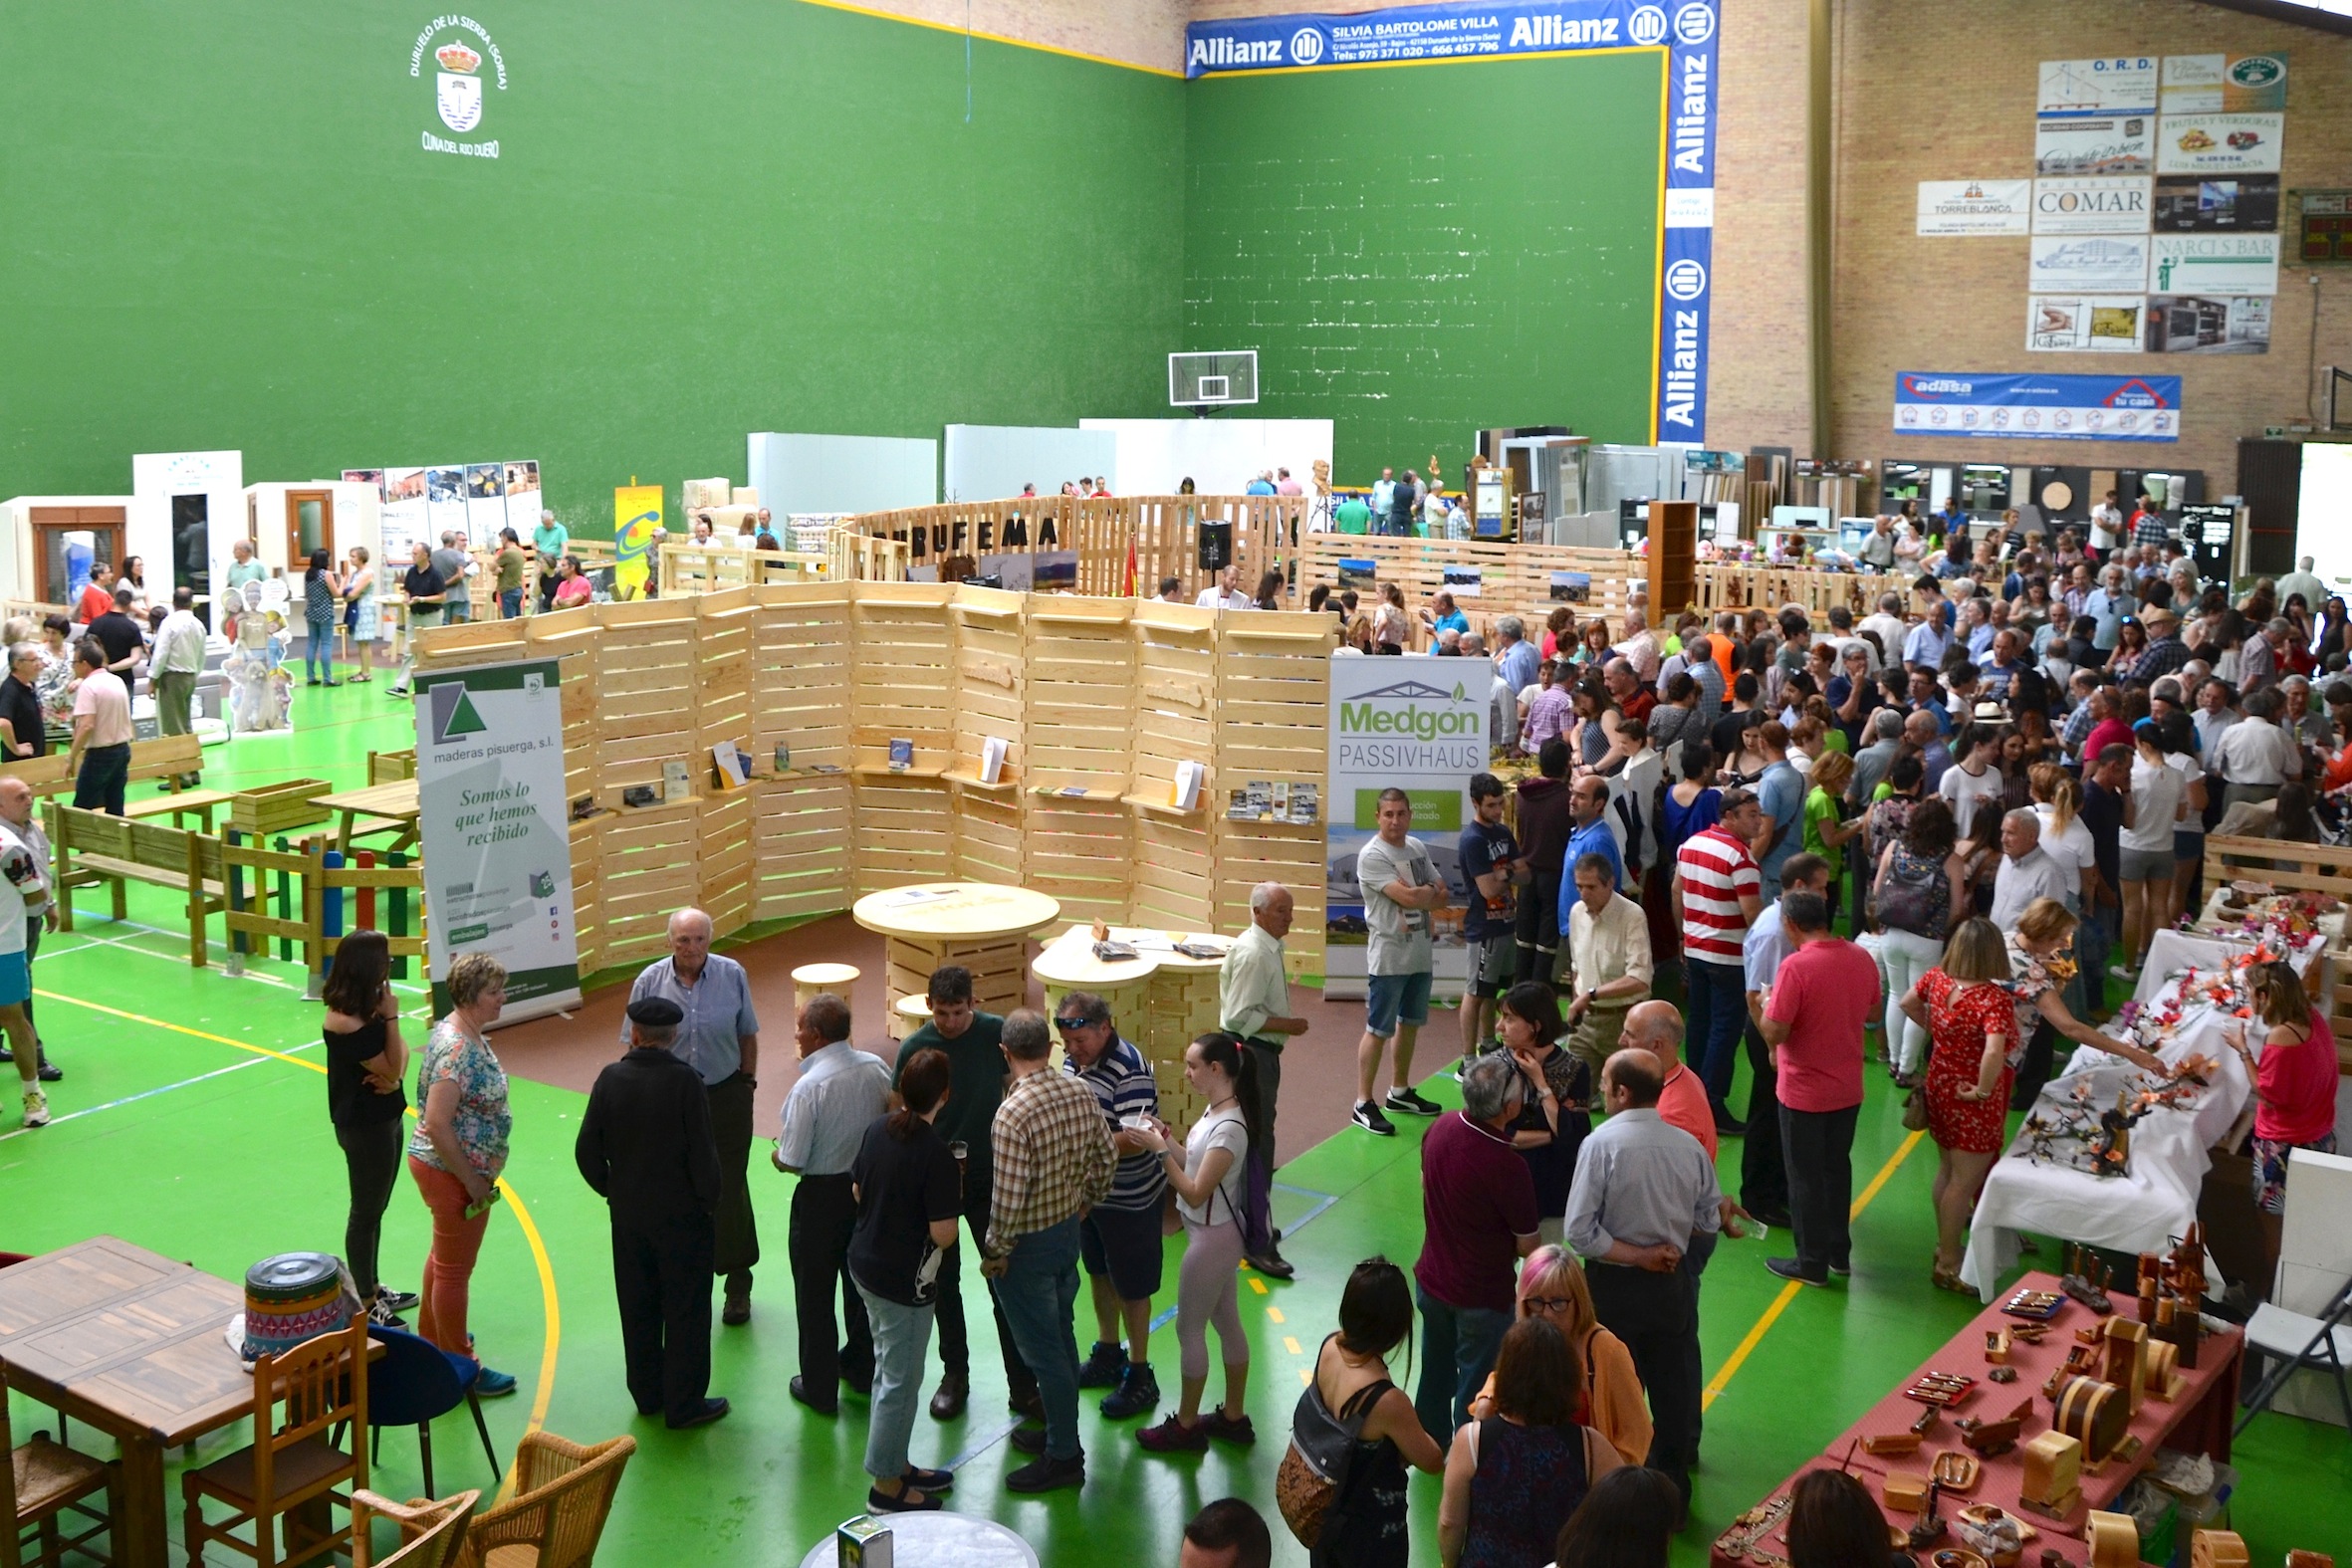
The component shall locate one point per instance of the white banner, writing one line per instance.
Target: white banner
(2104, 264)
(2109, 86)
(493, 829)
(2105, 145)
(1418, 724)
(2219, 143)
(2109, 205)
(1974, 206)
(2084, 323)
(2214, 264)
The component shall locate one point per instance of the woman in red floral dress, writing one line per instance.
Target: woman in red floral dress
(1972, 1023)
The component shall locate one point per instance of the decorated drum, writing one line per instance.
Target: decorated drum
(2093, 1413)
(293, 1297)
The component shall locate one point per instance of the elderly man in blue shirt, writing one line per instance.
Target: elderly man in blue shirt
(720, 1039)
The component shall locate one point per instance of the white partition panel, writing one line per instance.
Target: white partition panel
(842, 473)
(1219, 455)
(991, 462)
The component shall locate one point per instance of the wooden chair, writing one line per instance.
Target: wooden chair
(321, 1383)
(564, 1496)
(430, 1529)
(44, 1479)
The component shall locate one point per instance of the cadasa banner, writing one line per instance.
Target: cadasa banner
(2039, 407)
(1685, 31)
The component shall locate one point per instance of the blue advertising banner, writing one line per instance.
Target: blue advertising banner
(1685, 33)
(2039, 407)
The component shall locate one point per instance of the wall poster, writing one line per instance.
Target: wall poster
(2113, 204)
(2208, 324)
(2219, 143)
(497, 850)
(2105, 145)
(2079, 89)
(2084, 323)
(1974, 206)
(2039, 407)
(636, 517)
(2218, 204)
(2214, 264)
(2225, 84)
(2104, 264)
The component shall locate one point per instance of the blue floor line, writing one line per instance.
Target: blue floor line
(982, 1445)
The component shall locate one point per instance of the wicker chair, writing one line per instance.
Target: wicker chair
(43, 1480)
(564, 1496)
(430, 1529)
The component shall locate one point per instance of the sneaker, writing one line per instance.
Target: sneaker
(2120, 972)
(493, 1385)
(1138, 1392)
(1368, 1117)
(1174, 1437)
(1790, 1269)
(1044, 1474)
(381, 1313)
(1105, 1364)
(1217, 1424)
(398, 1300)
(1411, 1103)
(36, 1108)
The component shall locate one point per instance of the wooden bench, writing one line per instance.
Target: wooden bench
(93, 847)
(168, 757)
(201, 802)
(2290, 868)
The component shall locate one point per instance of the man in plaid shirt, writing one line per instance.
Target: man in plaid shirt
(2149, 526)
(2165, 652)
(1054, 1162)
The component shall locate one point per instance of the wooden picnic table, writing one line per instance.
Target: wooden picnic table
(133, 1344)
(388, 808)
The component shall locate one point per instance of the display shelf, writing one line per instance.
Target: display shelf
(1160, 808)
(975, 782)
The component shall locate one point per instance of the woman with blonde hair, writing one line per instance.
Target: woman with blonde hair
(2040, 964)
(1390, 624)
(458, 1150)
(1551, 1286)
(1971, 1029)
(1827, 830)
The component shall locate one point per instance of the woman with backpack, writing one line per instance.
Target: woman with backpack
(1342, 1485)
(1514, 1478)
(1919, 883)
(1208, 1170)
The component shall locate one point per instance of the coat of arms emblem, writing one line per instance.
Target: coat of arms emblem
(460, 91)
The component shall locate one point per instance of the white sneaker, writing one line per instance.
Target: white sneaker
(36, 1108)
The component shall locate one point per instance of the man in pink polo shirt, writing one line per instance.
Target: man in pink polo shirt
(1812, 1020)
(1656, 1027)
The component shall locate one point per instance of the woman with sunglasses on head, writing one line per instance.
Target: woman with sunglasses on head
(1551, 1286)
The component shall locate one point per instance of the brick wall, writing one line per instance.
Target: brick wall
(1758, 390)
(1946, 92)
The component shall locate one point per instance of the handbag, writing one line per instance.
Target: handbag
(1915, 1111)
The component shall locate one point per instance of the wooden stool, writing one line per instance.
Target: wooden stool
(810, 978)
(913, 1013)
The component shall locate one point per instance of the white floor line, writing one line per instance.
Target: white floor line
(217, 955)
(148, 1094)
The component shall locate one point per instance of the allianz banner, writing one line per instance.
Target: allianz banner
(1683, 34)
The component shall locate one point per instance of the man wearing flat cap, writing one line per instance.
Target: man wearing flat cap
(646, 1146)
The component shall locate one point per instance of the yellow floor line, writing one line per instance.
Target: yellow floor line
(1771, 1315)
(551, 1309)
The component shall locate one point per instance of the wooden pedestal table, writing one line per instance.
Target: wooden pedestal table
(983, 926)
(133, 1344)
(1162, 1000)
(386, 807)
(2197, 1420)
(810, 978)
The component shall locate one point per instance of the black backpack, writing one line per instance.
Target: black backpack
(1907, 899)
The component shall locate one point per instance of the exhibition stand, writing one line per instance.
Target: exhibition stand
(1162, 1000)
(982, 926)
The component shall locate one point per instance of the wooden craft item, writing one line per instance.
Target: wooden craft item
(2217, 1549)
(1957, 1557)
(1931, 1526)
(1750, 1528)
(2000, 1375)
(1996, 1346)
(2094, 1412)
(2029, 1333)
(1956, 1471)
(2126, 1361)
(2299, 1558)
(2054, 1467)
(1991, 1438)
(1905, 1491)
(2114, 1540)
(2163, 1372)
(1891, 1443)
(1927, 1420)
(1941, 1389)
(2038, 1304)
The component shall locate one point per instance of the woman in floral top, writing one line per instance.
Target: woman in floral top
(54, 686)
(2041, 961)
(458, 1149)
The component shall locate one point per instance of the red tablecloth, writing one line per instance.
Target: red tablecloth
(2198, 1421)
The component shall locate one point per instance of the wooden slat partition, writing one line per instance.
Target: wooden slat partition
(1175, 694)
(1081, 657)
(1274, 688)
(1513, 579)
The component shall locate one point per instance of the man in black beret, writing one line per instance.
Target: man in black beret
(646, 1146)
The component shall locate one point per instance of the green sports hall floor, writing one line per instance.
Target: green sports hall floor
(193, 1121)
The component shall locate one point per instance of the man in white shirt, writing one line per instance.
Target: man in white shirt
(1878, 549)
(1887, 624)
(2028, 871)
(1254, 1005)
(2257, 756)
(2106, 524)
(2302, 580)
(177, 659)
(1639, 647)
(1225, 594)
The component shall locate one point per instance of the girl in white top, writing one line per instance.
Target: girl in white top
(1973, 780)
(2058, 801)
(2159, 798)
(1209, 1172)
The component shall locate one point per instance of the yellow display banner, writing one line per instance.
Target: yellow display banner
(636, 517)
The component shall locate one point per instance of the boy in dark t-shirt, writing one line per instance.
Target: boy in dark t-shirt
(1489, 868)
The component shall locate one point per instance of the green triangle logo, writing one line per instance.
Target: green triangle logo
(463, 718)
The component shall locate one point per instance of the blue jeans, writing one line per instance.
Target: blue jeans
(510, 603)
(902, 1337)
(1457, 1349)
(1716, 997)
(1039, 1293)
(318, 651)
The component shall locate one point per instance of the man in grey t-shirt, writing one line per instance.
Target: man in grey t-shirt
(450, 561)
(1401, 892)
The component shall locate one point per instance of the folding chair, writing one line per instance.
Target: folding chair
(2296, 1343)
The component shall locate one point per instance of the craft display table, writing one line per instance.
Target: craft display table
(388, 808)
(2198, 1421)
(1161, 999)
(131, 1344)
(2156, 1200)
(942, 1540)
(983, 926)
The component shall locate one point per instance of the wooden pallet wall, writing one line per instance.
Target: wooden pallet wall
(902, 687)
(1081, 659)
(990, 674)
(1272, 711)
(1175, 695)
(800, 835)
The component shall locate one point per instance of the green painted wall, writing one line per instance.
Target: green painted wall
(1420, 251)
(222, 231)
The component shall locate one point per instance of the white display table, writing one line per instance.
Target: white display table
(942, 1540)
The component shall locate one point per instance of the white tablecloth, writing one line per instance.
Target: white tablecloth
(2142, 1211)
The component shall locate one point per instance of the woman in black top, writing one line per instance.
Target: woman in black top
(21, 728)
(909, 1196)
(365, 1062)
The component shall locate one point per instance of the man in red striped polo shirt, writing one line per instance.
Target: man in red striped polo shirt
(1718, 893)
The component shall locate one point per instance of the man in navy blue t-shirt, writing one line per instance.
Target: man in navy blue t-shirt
(1490, 869)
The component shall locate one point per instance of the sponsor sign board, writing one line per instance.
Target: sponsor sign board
(2039, 407)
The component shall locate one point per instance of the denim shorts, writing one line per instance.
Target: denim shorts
(1390, 999)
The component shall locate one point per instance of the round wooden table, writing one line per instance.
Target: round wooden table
(1160, 999)
(942, 1540)
(983, 926)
